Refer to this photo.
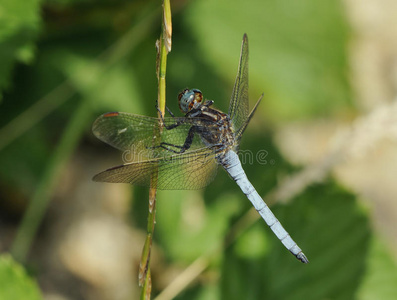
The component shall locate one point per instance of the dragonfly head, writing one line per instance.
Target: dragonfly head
(189, 99)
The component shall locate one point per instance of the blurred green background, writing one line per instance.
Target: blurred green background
(327, 122)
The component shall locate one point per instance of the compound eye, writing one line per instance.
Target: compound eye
(186, 100)
(198, 97)
(180, 95)
(189, 99)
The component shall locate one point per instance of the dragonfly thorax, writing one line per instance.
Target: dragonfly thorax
(189, 99)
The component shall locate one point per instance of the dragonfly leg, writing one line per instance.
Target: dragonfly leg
(186, 145)
(172, 126)
(168, 147)
(161, 114)
(170, 112)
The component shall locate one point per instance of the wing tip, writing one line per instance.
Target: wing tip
(104, 175)
(97, 178)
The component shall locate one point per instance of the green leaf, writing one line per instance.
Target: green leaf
(380, 281)
(19, 26)
(15, 284)
(188, 228)
(297, 50)
(108, 88)
(330, 227)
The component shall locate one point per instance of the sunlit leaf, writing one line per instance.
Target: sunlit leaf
(297, 50)
(380, 280)
(15, 284)
(330, 227)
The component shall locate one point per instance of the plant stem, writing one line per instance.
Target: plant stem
(163, 47)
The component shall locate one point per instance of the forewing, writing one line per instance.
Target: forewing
(139, 135)
(191, 170)
(239, 106)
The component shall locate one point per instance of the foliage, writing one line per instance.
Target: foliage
(19, 26)
(339, 249)
(15, 284)
(75, 59)
(297, 50)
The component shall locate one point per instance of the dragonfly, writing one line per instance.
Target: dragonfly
(176, 153)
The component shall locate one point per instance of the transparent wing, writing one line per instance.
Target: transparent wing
(239, 106)
(193, 169)
(137, 135)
